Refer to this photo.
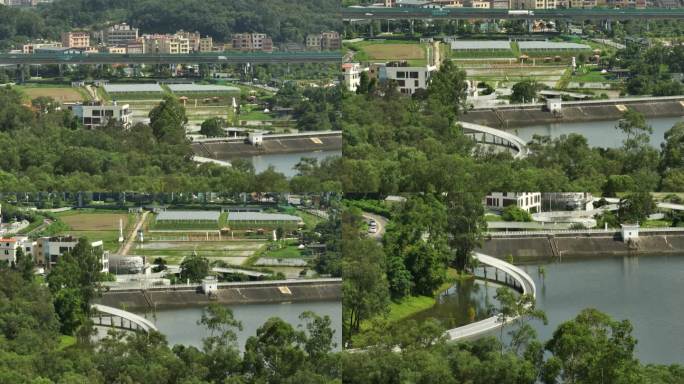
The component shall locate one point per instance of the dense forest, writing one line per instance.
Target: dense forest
(285, 21)
(45, 337)
(45, 149)
(400, 144)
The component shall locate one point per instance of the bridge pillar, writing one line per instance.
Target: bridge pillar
(609, 27)
(370, 28)
(411, 22)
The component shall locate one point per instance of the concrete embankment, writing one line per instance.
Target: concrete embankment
(233, 293)
(521, 116)
(582, 246)
(236, 148)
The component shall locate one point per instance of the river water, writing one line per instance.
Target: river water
(180, 325)
(285, 162)
(598, 133)
(646, 290)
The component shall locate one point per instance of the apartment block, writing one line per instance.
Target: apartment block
(120, 34)
(206, 44)
(252, 42)
(331, 40)
(313, 41)
(8, 250)
(166, 44)
(76, 39)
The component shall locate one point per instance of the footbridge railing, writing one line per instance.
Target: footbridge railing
(493, 136)
(116, 318)
(520, 279)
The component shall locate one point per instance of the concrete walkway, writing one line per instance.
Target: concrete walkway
(132, 235)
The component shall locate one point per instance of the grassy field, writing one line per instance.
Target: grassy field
(60, 93)
(388, 50)
(554, 53)
(94, 221)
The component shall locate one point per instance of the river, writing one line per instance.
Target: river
(180, 325)
(598, 133)
(646, 290)
(285, 162)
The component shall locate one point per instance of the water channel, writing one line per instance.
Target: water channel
(598, 133)
(180, 325)
(285, 162)
(645, 290)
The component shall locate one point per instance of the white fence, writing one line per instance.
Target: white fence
(579, 232)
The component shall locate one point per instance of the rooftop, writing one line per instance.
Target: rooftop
(261, 216)
(189, 215)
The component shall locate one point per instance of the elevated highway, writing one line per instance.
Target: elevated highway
(381, 13)
(196, 58)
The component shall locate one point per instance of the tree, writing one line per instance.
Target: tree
(24, 264)
(465, 225)
(74, 281)
(672, 154)
(194, 268)
(364, 283)
(448, 88)
(593, 348)
(518, 309)
(524, 91)
(168, 120)
(213, 127)
(515, 213)
(636, 207)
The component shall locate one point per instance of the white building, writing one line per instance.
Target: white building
(529, 201)
(8, 250)
(630, 232)
(48, 250)
(97, 114)
(352, 75)
(409, 79)
(120, 34)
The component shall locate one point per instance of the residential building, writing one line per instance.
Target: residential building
(528, 201)
(48, 250)
(409, 79)
(97, 114)
(500, 4)
(480, 4)
(119, 50)
(31, 47)
(313, 41)
(351, 73)
(206, 44)
(193, 39)
(331, 40)
(252, 42)
(166, 44)
(120, 34)
(533, 4)
(76, 39)
(8, 250)
(390, 3)
(137, 47)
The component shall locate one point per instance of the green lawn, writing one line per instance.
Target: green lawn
(66, 341)
(288, 252)
(482, 54)
(589, 76)
(656, 223)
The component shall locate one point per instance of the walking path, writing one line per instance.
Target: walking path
(131, 235)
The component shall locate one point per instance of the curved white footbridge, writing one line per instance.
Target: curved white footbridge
(519, 279)
(110, 317)
(492, 136)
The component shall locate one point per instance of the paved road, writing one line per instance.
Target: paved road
(381, 224)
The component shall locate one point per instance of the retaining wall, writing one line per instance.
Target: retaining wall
(576, 246)
(186, 297)
(510, 117)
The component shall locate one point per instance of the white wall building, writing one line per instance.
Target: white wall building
(97, 114)
(529, 201)
(409, 79)
(8, 250)
(48, 250)
(352, 75)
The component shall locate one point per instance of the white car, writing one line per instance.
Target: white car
(373, 229)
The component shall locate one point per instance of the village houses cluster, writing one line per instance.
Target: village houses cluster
(126, 39)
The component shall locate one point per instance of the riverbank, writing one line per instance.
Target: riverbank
(228, 293)
(545, 247)
(573, 112)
